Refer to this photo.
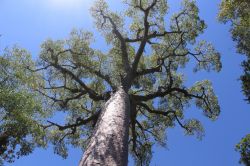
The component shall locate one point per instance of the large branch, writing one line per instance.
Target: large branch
(72, 90)
(149, 71)
(92, 94)
(144, 40)
(194, 55)
(62, 102)
(98, 73)
(146, 36)
(79, 122)
(152, 70)
(163, 91)
(164, 113)
(151, 36)
(63, 86)
(121, 39)
(145, 106)
(143, 129)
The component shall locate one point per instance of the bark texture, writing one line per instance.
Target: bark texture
(109, 143)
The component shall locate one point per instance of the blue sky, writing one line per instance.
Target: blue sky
(30, 22)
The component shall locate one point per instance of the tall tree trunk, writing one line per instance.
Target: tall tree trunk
(109, 143)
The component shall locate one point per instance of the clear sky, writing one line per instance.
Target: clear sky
(30, 22)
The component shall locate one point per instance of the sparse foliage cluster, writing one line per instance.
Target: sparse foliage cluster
(244, 148)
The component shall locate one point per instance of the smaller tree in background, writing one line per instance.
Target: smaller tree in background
(238, 13)
(20, 107)
(244, 148)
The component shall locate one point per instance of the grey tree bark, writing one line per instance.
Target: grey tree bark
(108, 145)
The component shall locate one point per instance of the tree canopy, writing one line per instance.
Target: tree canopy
(244, 148)
(145, 56)
(237, 12)
(20, 108)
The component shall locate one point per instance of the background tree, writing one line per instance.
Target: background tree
(139, 75)
(20, 108)
(244, 148)
(237, 12)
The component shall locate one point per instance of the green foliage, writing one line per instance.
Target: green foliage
(73, 69)
(237, 12)
(244, 148)
(205, 88)
(145, 55)
(20, 108)
(189, 21)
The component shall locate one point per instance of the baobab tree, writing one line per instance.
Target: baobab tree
(122, 101)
